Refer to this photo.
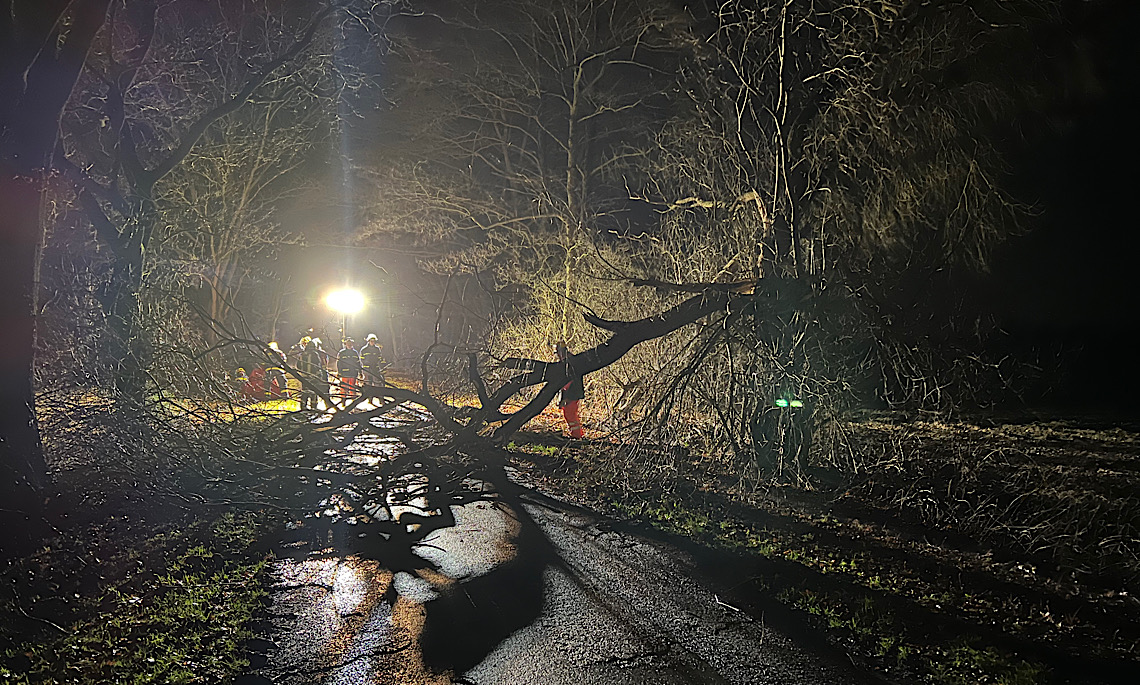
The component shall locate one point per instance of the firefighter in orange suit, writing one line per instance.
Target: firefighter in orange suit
(572, 394)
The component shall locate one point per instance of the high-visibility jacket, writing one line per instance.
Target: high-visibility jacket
(348, 363)
(573, 391)
(311, 364)
(371, 359)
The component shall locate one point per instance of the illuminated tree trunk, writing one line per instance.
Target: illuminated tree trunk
(126, 338)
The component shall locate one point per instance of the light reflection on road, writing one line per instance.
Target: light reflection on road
(351, 621)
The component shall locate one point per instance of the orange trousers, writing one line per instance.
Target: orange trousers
(570, 413)
(348, 387)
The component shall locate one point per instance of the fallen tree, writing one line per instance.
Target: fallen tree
(465, 425)
(424, 454)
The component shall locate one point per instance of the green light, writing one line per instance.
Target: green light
(797, 403)
(781, 402)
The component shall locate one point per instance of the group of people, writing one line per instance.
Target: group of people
(353, 368)
(262, 382)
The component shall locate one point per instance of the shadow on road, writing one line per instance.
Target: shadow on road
(464, 562)
(473, 616)
(458, 567)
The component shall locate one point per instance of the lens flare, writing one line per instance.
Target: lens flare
(346, 301)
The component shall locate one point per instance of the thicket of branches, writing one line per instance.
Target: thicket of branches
(185, 133)
(150, 193)
(602, 161)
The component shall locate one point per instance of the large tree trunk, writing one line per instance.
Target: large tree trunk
(20, 455)
(43, 44)
(626, 335)
(126, 343)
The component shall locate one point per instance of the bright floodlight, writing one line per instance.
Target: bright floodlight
(345, 301)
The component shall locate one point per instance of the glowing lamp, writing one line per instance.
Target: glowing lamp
(345, 301)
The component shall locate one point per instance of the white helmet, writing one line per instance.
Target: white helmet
(370, 336)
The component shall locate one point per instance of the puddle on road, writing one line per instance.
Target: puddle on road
(324, 607)
(369, 449)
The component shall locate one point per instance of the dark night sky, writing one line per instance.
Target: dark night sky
(1071, 283)
(1074, 267)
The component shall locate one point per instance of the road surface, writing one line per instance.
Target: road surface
(541, 592)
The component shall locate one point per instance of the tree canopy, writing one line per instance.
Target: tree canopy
(606, 159)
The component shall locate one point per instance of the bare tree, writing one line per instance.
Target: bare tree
(220, 222)
(840, 147)
(847, 145)
(165, 74)
(525, 156)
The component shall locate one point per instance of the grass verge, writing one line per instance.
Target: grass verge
(856, 609)
(172, 608)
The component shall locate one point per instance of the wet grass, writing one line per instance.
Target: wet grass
(867, 623)
(168, 607)
(229, 412)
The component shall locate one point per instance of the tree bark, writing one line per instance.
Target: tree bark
(125, 341)
(20, 452)
(43, 44)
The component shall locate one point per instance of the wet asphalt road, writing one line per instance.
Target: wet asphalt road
(549, 595)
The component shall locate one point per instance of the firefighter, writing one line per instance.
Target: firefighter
(572, 394)
(323, 354)
(314, 378)
(348, 367)
(372, 360)
(240, 379)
